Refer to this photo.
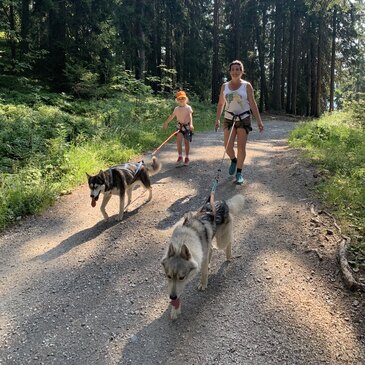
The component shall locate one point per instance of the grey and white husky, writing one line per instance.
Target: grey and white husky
(190, 248)
(120, 180)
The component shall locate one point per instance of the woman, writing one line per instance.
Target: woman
(238, 97)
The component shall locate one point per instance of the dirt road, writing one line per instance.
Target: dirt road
(75, 290)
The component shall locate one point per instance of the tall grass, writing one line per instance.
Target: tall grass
(336, 144)
(45, 150)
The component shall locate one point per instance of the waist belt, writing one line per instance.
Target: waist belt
(238, 116)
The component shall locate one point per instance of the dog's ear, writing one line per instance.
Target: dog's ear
(185, 253)
(187, 216)
(88, 176)
(171, 251)
(163, 261)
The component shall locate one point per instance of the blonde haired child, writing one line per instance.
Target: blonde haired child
(184, 115)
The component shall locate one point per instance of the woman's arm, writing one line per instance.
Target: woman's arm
(220, 107)
(253, 106)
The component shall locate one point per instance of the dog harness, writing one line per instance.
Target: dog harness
(185, 130)
(121, 167)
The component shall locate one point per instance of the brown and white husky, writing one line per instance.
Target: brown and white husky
(190, 248)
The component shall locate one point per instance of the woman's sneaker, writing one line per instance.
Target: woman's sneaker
(239, 178)
(179, 161)
(187, 161)
(232, 168)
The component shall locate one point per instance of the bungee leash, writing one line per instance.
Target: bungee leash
(164, 142)
(211, 198)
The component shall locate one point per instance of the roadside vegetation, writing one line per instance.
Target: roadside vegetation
(336, 144)
(49, 141)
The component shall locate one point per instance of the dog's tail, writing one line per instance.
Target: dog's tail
(235, 204)
(154, 167)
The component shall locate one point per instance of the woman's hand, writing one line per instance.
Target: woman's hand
(261, 126)
(164, 126)
(217, 124)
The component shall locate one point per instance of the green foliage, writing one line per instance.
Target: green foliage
(126, 82)
(45, 150)
(22, 193)
(336, 143)
(356, 108)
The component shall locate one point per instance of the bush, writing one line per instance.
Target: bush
(336, 143)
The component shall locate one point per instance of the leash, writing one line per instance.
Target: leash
(211, 198)
(164, 142)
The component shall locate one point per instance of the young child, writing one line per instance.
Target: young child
(184, 116)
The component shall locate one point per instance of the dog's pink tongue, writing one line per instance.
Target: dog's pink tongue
(175, 303)
(93, 202)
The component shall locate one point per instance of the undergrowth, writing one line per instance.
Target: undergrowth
(49, 141)
(336, 144)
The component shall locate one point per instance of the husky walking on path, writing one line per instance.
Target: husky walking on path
(120, 180)
(190, 249)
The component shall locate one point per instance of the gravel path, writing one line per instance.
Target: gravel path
(75, 290)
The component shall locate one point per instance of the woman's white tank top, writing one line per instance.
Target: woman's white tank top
(236, 101)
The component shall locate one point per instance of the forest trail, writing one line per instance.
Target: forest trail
(75, 290)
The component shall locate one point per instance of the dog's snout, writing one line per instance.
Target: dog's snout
(173, 297)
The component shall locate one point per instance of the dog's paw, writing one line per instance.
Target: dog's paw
(174, 313)
(119, 218)
(202, 286)
(105, 215)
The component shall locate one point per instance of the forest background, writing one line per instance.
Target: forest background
(78, 75)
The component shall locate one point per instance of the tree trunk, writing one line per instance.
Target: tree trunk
(318, 93)
(215, 62)
(13, 31)
(237, 16)
(24, 32)
(57, 45)
(263, 101)
(294, 88)
(277, 55)
(290, 64)
(141, 51)
(333, 59)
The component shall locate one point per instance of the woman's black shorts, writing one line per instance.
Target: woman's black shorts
(243, 123)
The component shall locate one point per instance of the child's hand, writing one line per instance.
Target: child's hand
(192, 128)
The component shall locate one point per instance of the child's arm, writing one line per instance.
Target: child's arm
(191, 119)
(168, 120)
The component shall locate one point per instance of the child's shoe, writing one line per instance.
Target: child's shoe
(179, 161)
(239, 178)
(187, 161)
(232, 168)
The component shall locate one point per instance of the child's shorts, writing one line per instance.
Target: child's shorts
(239, 123)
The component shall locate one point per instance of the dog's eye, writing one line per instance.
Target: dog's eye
(181, 277)
(169, 276)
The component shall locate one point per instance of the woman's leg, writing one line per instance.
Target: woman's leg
(229, 144)
(241, 146)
